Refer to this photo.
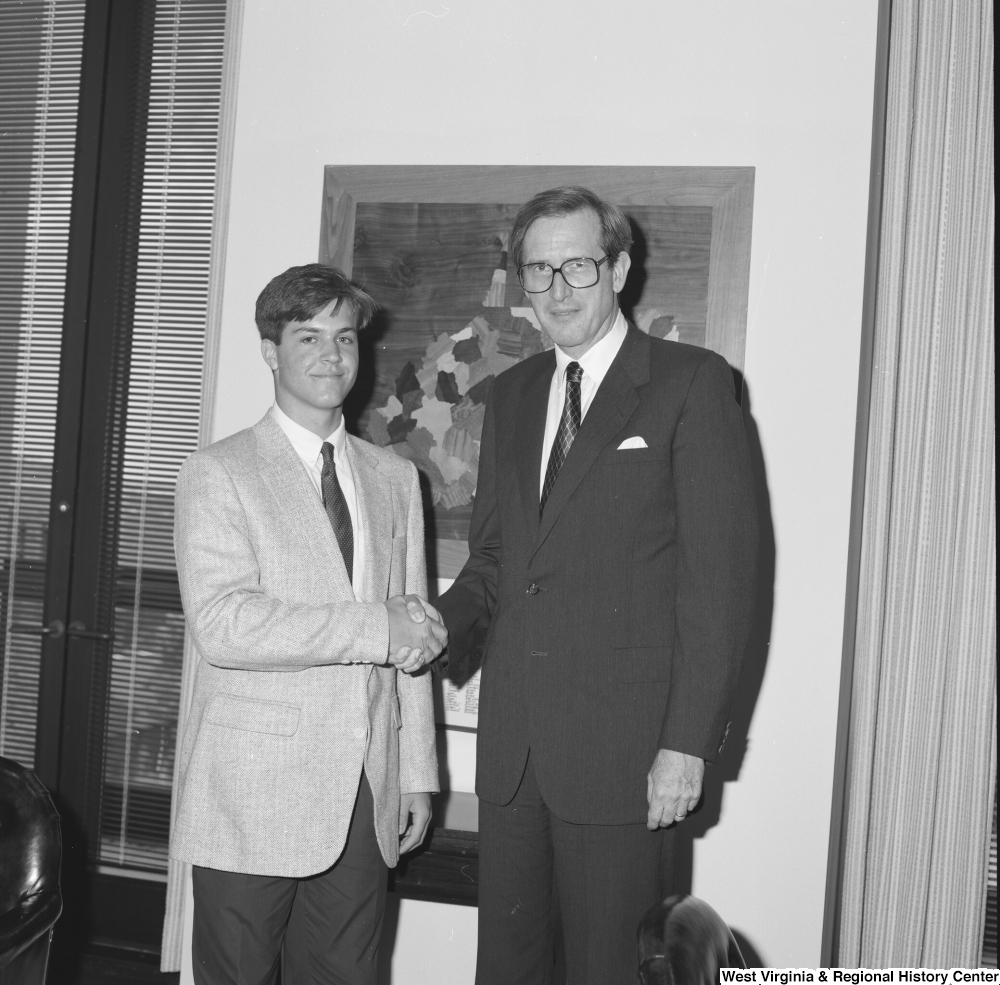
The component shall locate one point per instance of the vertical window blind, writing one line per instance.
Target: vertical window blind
(162, 428)
(41, 43)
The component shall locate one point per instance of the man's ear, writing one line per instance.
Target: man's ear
(268, 351)
(620, 271)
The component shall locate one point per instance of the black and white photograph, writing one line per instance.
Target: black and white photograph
(497, 494)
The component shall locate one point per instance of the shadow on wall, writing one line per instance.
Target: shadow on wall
(369, 342)
(355, 410)
(678, 851)
(728, 768)
(631, 293)
(750, 956)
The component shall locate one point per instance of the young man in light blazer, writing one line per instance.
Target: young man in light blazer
(308, 762)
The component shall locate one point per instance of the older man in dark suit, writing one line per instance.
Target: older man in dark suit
(611, 573)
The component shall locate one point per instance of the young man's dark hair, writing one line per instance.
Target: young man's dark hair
(616, 231)
(302, 292)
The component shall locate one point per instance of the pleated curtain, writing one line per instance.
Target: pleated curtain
(922, 752)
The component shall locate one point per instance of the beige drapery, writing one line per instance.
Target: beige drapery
(921, 761)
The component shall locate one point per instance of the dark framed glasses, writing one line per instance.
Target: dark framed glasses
(536, 278)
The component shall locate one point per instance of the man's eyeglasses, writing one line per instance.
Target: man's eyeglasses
(536, 278)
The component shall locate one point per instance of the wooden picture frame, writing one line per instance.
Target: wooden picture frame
(727, 191)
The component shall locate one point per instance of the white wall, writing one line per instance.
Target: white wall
(783, 85)
(432, 944)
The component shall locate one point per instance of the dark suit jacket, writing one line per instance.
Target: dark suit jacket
(616, 625)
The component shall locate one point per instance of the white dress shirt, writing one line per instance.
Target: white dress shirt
(595, 363)
(309, 448)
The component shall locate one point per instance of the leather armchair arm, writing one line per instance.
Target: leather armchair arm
(26, 922)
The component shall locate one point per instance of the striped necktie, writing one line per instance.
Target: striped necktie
(336, 509)
(568, 427)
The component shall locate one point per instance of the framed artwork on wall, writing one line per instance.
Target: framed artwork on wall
(429, 243)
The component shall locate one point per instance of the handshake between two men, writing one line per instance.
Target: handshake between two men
(416, 633)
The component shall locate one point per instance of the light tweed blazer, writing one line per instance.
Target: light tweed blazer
(292, 695)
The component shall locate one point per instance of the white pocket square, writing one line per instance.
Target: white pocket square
(635, 441)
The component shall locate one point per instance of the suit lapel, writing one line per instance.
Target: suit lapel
(529, 435)
(613, 405)
(374, 497)
(289, 483)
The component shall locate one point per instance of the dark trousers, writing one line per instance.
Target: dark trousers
(536, 869)
(329, 923)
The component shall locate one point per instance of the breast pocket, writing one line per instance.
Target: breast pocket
(633, 456)
(626, 460)
(251, 715)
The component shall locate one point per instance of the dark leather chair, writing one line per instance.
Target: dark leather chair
(683, 941)
(30, 853)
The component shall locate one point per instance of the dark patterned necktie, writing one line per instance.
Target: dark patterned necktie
(336, 509)
(568, 427)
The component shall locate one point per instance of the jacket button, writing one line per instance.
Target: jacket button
(532, 589)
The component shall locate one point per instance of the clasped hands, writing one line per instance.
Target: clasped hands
(416, 638)
(416, 633)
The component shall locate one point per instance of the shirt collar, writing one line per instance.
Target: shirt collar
(307, 445)
(597, 360)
